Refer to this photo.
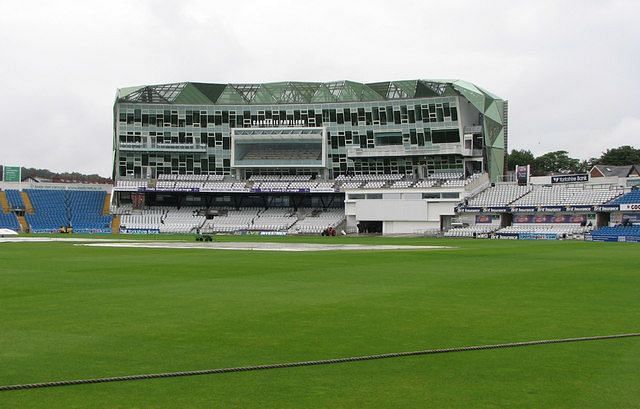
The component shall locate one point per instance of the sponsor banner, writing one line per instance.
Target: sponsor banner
(550, 218)
(529, 209)
(522, 174)
(246, 233)
(525, 218)
(578, 178)
(537, 236)
(606, 208)
(507, 236)
(634, 207)
(550, 208)
(471, 209)
(170, 189)
(631, 239)
(324, 190)
(496, 209)
(523, 209)
(273, 233)
(236, 190)
(280, 190)
(483, 218)
(579, 208)
(44, 230)
(140, 231)
(92, 231)
(602, 239)
(632, 217)
(12, 174)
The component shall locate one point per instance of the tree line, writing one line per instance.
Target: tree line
(46, 174)
(561, 162)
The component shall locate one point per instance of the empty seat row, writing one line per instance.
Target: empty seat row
(614, 232)
(81, 210)
(471, 231)
(499, 195)
(190, 177)
(276, 178)
(9, 221)
(14, 198)
(631, 197)
(566, 195)
(557, 228)
(366, 178)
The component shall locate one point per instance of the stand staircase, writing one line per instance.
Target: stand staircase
(106, 207)
(4, 202)
(115, 224)
(23, 224)
(28, 207)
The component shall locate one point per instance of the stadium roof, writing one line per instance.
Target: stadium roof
(611, 170)
(197, 93)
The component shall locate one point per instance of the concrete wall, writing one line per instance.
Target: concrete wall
(408, 227)
(399, 216)
(391, 210)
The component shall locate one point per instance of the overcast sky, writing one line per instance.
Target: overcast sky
(570, 69)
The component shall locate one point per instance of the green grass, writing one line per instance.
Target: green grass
(73, 312)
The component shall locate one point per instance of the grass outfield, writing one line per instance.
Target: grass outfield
(72, 312)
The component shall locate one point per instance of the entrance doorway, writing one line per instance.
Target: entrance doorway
(370, 227)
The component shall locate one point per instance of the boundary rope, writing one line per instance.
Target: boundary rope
(307, 363)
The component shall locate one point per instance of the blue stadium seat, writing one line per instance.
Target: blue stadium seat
(81, 210)
(631, 197)
(9, 221)
(612, 233)
(85, 211)
(14, 199)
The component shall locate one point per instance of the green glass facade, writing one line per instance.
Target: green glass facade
(394, 127)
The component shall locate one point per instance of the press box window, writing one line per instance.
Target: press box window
(445, 136)
(388, 138)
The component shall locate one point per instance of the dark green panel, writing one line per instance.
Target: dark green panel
(409, 87)
(323, 95)
(381, 88)
(211, 91)
(230, 97)
(192, 95)
(423, 91)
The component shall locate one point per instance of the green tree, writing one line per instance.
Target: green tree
(623, 155)
(555, 162)
(520, 157)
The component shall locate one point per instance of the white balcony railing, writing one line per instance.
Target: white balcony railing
(139, 146)
(443, 149)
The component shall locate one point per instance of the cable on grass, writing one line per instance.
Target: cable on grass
(308, 363)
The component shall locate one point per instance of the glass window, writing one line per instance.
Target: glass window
(454, 113)
(445, 136)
